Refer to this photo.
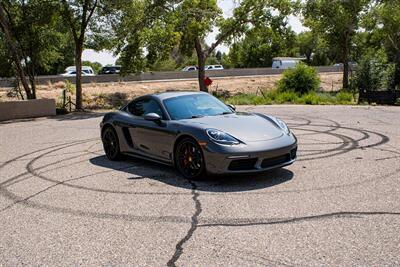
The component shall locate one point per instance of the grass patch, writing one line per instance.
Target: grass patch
(289, 97)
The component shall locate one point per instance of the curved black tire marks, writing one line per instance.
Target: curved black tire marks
(264, 221)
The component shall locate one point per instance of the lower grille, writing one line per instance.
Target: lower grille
(270, 162)
(293, 153)
(242, 164)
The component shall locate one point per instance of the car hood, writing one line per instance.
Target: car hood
(243, 126)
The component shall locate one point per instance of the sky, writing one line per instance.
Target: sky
(106, 57)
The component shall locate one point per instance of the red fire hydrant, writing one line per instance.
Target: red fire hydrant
(208, 81)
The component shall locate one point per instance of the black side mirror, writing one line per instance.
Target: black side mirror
(152, 117)
(232, 107)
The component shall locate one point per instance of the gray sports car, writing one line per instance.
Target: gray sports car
(198, 134)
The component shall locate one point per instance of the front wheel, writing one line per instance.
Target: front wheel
(189, 159)
(111, 144)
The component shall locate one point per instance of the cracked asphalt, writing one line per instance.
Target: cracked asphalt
(63, 203)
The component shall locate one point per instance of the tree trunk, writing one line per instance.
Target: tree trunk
(33, 87)
(201, 60)
(346, 67)
(396, 78)
(15, 53)
(78, 80)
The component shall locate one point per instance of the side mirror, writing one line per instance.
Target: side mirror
(152, 117)
(232, 107)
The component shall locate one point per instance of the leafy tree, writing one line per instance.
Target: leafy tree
(196, 19)
(30, 31)
(384, 23)
(78, 14)
(218, 56)
(337, 21)
(14, 48)
(6, 63)
(307, 42)
(144, 34)
(262, 44)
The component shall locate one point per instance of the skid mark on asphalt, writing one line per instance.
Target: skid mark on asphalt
(263, 221)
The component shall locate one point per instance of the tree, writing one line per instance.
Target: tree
(337, 21)
(78, 15)
(196, 19)
(307, 42)
(31, 33)
(218, 55)
(143, 34)
(388, 27)
(261, 44)
(15, 50)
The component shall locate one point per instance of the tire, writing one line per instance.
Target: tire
(189, 159)
(111, 144)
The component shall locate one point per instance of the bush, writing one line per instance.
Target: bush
(373, 72)
(301, 79)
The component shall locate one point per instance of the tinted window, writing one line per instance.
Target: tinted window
(196, 105)
(145, 106)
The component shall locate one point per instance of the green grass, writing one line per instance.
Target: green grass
(277, 97)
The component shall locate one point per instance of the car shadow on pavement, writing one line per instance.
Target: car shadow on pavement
(141, 169)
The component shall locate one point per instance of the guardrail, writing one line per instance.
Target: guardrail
(166, 75)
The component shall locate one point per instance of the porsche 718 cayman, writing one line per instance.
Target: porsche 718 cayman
(198, 134)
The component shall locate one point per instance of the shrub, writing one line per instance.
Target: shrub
(373, 72)
(301, 79)
(247, 99)
(344, 97)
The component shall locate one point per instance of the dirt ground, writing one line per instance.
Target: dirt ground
(97, 94)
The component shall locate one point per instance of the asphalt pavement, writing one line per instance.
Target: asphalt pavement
(62, 203)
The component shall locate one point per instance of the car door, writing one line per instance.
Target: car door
(152, 139)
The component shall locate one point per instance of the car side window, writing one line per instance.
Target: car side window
(142, 107)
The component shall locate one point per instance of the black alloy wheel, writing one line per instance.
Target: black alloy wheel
(189, 159)
(111, 144)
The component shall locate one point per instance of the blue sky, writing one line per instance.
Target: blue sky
(105, 57)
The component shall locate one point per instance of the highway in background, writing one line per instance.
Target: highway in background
(166, 75)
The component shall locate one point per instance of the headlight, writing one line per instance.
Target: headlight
(221, 137)
(283, 126)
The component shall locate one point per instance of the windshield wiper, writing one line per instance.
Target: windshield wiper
(224, 113)
(197, 116)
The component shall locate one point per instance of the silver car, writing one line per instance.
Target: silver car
(198, 134)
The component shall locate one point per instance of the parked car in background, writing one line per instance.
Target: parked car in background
(110, 70)
(285, 62)
(190, 68)
(86, 70)
(72, 73)
(214, 67)
(352, 65)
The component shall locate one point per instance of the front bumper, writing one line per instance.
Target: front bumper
(251, 157)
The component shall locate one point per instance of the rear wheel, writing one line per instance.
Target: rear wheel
(111, 144)
(189, 159)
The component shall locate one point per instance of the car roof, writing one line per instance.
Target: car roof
(166, 95)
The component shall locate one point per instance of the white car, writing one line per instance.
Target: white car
(86, 69)
(72, 73)
(190, 68)
(214, 67)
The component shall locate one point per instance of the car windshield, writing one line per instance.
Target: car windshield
(195, 106)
